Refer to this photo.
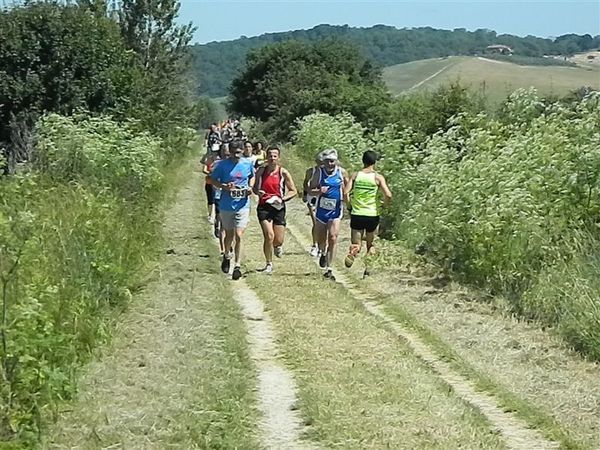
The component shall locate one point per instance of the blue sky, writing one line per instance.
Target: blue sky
(226, 20)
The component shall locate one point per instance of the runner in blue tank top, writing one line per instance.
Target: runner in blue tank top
(329, 184)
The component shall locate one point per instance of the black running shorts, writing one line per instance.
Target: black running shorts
(267, 212)
(366, 223)
(210, 195)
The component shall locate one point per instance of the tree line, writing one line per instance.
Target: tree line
(215, 64)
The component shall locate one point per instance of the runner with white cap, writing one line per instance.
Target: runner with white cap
(329, 183)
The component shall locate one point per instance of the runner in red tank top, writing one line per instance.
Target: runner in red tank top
(274, 186)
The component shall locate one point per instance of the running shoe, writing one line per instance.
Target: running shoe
(349, 260)
(323, 260)
(366, 273)
(329, 275)
(237, 273)
(314, 251)
(278, 251)
(217, 229)
(211, 219)
(226, 263)
(268, 269)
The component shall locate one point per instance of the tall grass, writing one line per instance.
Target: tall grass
(74, 232)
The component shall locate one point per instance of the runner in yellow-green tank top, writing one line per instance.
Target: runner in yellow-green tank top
(363, 188)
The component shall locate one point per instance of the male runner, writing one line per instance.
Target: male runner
(235, 177)
(329, 183)
(364, 217)
(311, 202)
(274, 186)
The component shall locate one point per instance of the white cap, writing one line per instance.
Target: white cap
(329, 153)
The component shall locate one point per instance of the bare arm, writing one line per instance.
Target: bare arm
(384, 188)
(290, 186)
(347, 186)
(259, 173)
(313, 185)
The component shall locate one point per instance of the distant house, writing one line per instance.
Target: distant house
(499, 48)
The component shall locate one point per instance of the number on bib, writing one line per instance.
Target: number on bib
(328, 203)
(239, 193)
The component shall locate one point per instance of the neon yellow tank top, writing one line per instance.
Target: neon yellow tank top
(364, 195)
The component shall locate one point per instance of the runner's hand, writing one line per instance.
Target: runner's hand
(261, 193)
(324, 189)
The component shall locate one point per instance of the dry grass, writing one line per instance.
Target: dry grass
(359, 386)
(497, 79)
(177, 374)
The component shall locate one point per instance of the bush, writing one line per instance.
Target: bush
(73, 234)
(318, 131)
(503, 205)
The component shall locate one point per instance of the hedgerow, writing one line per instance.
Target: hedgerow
(74, 232)
(511, 204)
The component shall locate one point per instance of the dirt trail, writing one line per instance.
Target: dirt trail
(281, 425)
(195, 362)
(516, 433)
(177, 374)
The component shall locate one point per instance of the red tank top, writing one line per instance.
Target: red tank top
(273, 185)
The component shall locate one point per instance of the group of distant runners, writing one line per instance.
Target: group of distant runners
(236, 169)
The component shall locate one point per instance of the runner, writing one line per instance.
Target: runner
(235, 176)
(261, 155)
(209, 162)
(218, 228)
(329, 183)
(212, 139)
(364, 217)
(311, 202)
(274, 186)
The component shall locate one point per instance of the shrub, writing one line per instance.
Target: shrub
(318, 131)
(73, 234)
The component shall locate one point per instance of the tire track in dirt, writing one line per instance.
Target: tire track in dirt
(515, 432)
(281, 424)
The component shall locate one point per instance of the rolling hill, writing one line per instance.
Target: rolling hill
(215, 64)
(495, 78)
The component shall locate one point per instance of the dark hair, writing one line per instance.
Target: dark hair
(235, 145)
(369, 158)
(274, 147)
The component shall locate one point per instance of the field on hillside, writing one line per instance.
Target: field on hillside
(497, 79)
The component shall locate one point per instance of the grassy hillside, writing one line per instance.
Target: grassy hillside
(215, 64)
(497, 79)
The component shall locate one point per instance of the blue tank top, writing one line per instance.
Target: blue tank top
(334, 181)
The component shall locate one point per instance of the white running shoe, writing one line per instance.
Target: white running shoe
(211, 219)
(278, 251)
(268, 269)
(314, 251)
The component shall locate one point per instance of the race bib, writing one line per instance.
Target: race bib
(328, 203)
(217, 194)
(239, 193)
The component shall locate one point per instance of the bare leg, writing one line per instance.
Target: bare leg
(311, 212)
(355, 242)
(228, 240)
(321, 233)
(334, 231)
(268, 237)
(239, 233)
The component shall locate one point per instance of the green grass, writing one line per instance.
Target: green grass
(495, 79)
(178, 372)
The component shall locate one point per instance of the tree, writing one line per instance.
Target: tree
(57, 58)
(288, 80)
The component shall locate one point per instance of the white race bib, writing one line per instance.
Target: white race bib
(239, 193)
(328, 203)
